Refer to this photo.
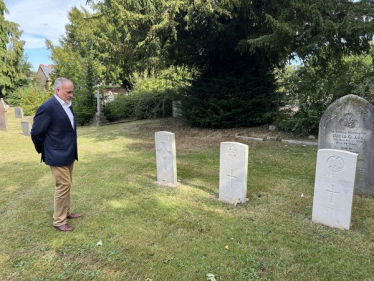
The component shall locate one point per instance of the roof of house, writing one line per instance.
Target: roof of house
(47, 69)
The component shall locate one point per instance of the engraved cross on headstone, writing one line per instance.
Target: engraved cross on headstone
(164, 154)
(231, 177)
(332, 193)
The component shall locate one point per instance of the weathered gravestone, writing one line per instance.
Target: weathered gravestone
(177, 108)
(233, 172)
(3, 117)
(26, 128)
(334, 187)
(166, 158)
(348, 124)
(18, 112)
(4, 104)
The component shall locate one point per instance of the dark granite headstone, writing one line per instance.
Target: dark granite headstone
(348, 124)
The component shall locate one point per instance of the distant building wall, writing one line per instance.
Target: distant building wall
(43, 76)
(42, 80)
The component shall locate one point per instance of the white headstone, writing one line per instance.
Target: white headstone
(233, 172)
(3, 117)
(18, 112)
(334, 187)
(26, 128)
(166, 158)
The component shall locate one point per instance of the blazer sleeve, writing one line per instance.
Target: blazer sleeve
(42, 121)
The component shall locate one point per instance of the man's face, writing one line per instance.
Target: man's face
(65, 91)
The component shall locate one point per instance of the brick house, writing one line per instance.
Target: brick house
(43, 75)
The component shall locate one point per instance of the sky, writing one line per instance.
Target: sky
(40, 20)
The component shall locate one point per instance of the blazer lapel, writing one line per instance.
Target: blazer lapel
(75, 119)
(62, 111)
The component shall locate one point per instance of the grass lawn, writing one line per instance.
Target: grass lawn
(134, 229)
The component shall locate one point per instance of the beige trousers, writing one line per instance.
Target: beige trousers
(64, 178)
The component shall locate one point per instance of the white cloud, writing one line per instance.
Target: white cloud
(41, 19)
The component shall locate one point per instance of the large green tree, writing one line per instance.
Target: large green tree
(233, 46)
(236, 45)
(11, 52)
(79, 58)
(311, 89)
(134, 35)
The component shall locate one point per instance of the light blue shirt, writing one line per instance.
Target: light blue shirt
(66, 107)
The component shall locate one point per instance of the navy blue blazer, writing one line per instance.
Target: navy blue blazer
(53, 136)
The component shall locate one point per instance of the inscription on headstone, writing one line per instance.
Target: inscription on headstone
(3, 117)
(348, 124)
(26, 128)
(166, 158)
(18, 112)
(334, 187)
(233, 172)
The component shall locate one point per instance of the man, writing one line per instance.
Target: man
(54, 134)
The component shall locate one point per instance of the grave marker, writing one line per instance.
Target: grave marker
(166, 158)
(3, 117)
(348, 124)
(99, 118)
(18, 112)
(177, 108)
(4, 104)
(233, 172)
(334, 187)
(26, 128)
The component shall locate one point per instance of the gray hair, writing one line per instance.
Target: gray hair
(59, 81)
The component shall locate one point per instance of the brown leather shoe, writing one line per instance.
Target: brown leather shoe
(64, 227)
(74, 216)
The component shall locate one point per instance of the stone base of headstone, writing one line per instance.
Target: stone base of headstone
(100, 119)
(26, 128)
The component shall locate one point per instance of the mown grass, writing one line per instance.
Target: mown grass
(159, 233)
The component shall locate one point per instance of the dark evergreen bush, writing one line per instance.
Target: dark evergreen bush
(151, 97)
(84, 104)
(233, 93)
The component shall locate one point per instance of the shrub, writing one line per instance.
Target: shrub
(84, 103)
(121, 107)
(311, 89)
(231, 95)
(29, 97)
(139, 105)
(150, 97)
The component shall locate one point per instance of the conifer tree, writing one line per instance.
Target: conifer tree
(233, 45)
(11, 52)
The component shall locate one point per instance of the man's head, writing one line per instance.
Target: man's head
(64, 89)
